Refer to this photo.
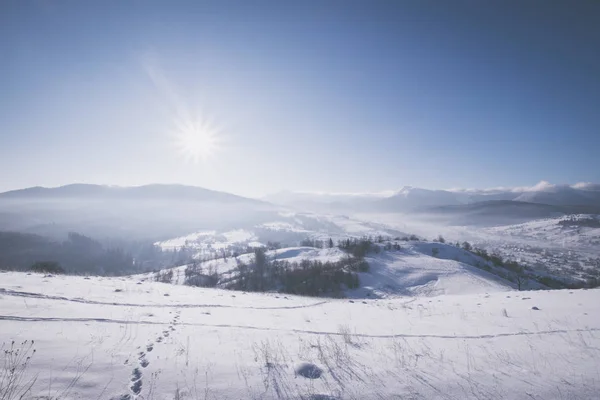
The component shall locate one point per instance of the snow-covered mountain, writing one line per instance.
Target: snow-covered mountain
(408, 198)
(163, 192)
(561, 195)
(165, 211)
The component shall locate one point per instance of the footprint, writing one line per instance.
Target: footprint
(149, 348)
(136, 375)
(136, 388)
(144, 363)
(159, 339)
(141, 355)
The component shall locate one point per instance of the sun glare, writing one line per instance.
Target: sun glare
(197, 140)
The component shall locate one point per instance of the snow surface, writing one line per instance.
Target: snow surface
(97, 338)
(411, 271)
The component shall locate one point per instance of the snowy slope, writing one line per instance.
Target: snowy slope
(413, 271)
(565, 247)
(288, 228)
(228, 266)
(409, 271)
(565, 230)
(101, 338)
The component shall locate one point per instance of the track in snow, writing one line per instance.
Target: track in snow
(392, 336)
(8, 292)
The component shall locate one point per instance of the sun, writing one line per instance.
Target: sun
(197, 140)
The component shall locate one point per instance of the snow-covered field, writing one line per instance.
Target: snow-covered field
(122, 338)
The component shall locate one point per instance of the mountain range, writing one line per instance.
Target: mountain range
(162, 211)
(150, 212)
(146, 192)
(411, 199)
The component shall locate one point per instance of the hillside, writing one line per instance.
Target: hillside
(566, 247)
(140, 340)
(151, 212)
(410, 271)
(285, 228)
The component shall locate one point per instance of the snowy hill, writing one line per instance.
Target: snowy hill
(285, 227)
(117, 338)
(413, 270)
(567, 247)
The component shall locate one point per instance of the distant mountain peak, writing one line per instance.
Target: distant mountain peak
(153, 191)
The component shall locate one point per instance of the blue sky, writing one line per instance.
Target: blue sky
(340, 96)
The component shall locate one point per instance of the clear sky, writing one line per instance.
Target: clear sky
(340, 96)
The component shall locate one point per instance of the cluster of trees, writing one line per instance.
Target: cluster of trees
(316, 243)
(307, 277)
(589, 222)
(164, 276)
(196, 275)
(359, 248)
(47, 267)
(80, 254)
(520, 274)
(440, 239)
(388, 246)
(515, 272)
(413, 238)
(76, 254)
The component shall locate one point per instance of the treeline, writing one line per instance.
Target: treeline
(77, 254)
(577, 222)
(307, 277)
(520, 273)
